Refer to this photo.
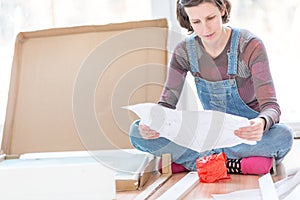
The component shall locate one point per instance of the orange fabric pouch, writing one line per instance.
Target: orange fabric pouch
(212, 168)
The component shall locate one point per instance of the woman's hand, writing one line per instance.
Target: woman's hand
(253, 132)
(148, 133)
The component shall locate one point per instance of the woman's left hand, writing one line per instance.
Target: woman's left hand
(253, 132)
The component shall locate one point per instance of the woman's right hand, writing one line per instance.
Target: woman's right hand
(148, 133)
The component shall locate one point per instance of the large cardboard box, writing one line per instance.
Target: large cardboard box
(68, 86)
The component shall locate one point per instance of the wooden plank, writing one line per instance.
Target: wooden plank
(166, 164)
(2, 157)
(182, 187)
(151, 189)
(166, 174)
(267, 187)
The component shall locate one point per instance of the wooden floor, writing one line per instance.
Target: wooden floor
(236, 182)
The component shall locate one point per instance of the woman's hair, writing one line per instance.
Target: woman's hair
(183, 18)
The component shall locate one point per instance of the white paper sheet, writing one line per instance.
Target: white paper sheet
(287, 185)
(286, 189)
(295, 194)
(197, 130)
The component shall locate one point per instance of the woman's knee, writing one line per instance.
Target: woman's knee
(284, 134)
(284, 140)
(134, 133)
(134, 128)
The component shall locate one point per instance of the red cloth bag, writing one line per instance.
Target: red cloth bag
(212, 168)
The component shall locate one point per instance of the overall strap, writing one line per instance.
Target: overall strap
(233, 53)
(192, 53)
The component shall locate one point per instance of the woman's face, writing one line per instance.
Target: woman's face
(206, 20)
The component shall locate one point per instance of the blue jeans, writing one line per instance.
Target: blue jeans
(276, 142)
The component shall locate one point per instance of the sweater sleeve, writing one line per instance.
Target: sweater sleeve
(262, 82)
(176, 75)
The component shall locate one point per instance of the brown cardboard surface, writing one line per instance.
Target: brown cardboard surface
(46, 66)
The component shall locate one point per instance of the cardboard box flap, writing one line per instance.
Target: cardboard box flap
(68, 85)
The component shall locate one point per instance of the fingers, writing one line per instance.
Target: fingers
(148, 133)
(249, 135)
(253, 132)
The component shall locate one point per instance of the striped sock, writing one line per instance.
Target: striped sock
(234, 166)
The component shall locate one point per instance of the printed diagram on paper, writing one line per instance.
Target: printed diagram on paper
(197, 130)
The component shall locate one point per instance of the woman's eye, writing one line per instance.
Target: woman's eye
(210, 18)
(195, 22)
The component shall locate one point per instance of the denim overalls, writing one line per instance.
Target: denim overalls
(222, 96)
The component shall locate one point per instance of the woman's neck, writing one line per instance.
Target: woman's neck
(216, 48)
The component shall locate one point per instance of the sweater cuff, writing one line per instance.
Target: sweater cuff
(269, 122)
(166, 105)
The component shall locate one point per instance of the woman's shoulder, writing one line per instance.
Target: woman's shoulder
(248, 37)
(181, 48)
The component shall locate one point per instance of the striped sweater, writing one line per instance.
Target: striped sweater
(254, 80)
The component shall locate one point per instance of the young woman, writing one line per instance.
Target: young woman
(232, 75)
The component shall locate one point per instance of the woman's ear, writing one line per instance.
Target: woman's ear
(223, 11)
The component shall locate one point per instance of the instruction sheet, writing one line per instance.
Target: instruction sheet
(197, 130)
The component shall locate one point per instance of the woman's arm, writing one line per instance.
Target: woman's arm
(177, 72)
(172, 88)
(263, 84)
